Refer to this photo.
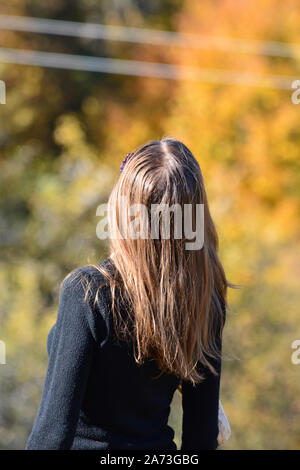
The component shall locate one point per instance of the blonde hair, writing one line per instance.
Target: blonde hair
(175, 297)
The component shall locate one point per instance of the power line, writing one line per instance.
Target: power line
(142, 69)
(148, 36)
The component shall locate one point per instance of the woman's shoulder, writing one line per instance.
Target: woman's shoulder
(89, 277)
(88, 287)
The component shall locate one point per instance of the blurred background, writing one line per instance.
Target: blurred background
(86, 97)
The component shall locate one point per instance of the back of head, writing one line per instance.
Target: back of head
(165, 257)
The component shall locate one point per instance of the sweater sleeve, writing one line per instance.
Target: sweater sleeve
(70, 357)
(200, 405)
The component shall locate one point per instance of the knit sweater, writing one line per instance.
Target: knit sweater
(95, 395)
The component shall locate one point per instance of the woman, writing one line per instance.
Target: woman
(149, 319)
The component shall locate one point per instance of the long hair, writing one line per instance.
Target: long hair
(175, 296)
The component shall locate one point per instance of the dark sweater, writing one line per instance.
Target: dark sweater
(96, 397)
